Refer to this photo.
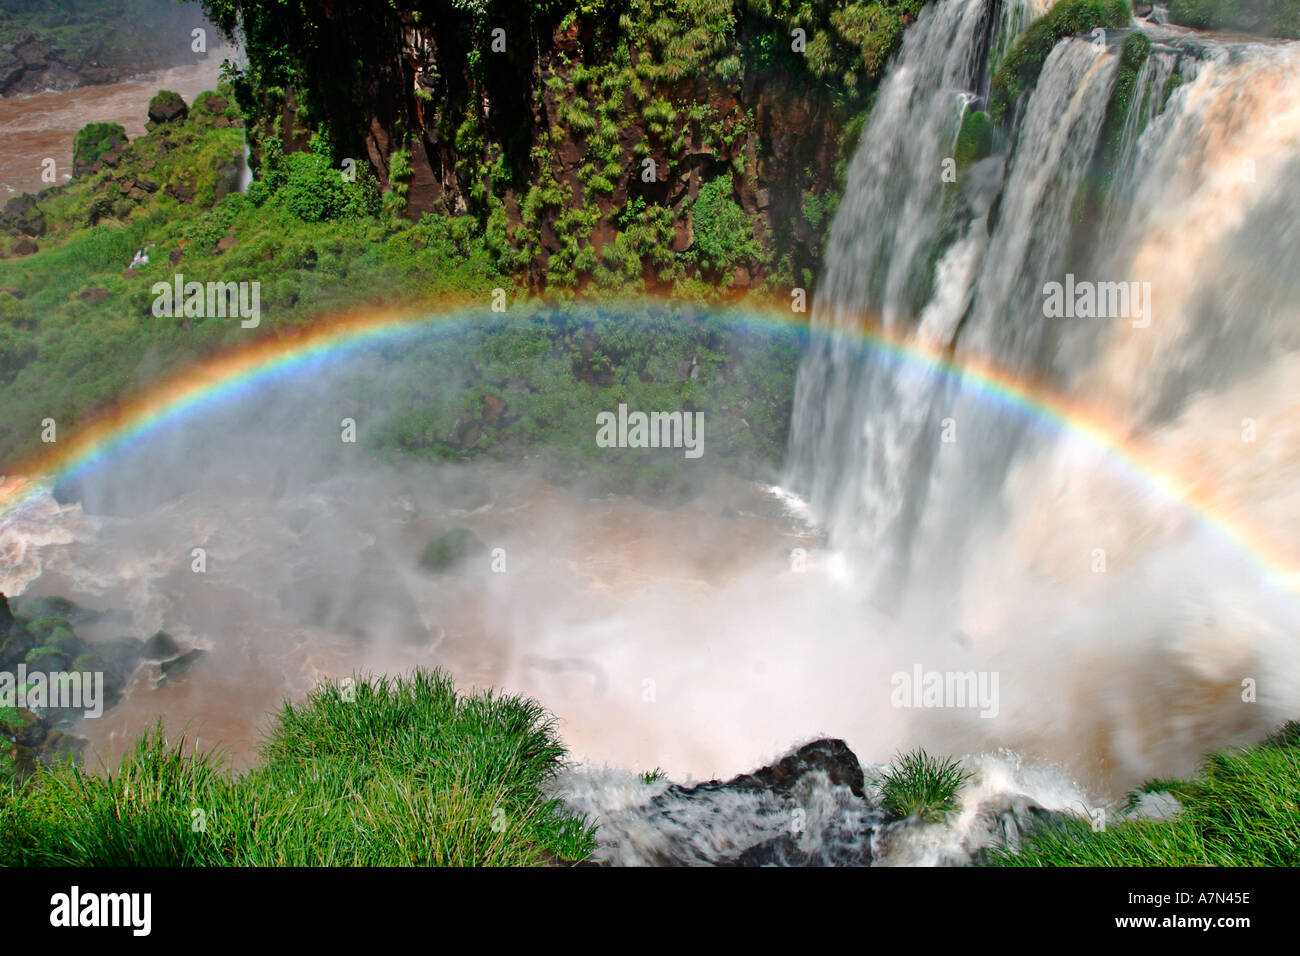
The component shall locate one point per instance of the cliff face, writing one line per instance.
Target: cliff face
(582, 139)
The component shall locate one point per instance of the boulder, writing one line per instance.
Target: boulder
(167, 107)
(22, 215)
(807, 809)
(178, 666)
(160, 647)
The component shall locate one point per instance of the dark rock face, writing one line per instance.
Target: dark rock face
(825, 768)
(181, 665)
(829, 756)
(160, 647)
(22, 215)
(809, 808)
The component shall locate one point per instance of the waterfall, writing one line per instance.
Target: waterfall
(1022, 538)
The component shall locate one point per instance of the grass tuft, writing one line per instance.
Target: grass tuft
(921, 786)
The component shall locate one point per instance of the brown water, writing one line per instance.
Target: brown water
(36, 126)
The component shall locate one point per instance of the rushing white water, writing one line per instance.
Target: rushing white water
(1119, 623)
(1135, 622)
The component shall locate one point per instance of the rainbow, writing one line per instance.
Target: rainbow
(200, 386)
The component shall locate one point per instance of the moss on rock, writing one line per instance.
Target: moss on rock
(1019, 71)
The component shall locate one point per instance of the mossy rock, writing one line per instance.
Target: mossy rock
(450, 549)
(63, 639)
(90, 662)
(14, 648)
(167, 107)
(44, 628)
(22, 726)
(47, 659)
(1018, 73)
(51, 607)
(975, 141)
(93, 141)
(119, 654)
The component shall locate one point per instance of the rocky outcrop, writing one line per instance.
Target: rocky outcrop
(21, 215)
(44, 638)
(167, 107)
(816, 806)
(49, 48)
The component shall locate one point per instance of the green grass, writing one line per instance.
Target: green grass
(1243, 809)
(381, 772)
(918, 785)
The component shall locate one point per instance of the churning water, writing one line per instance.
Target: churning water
(1099, 512)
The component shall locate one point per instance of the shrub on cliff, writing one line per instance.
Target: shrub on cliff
(724, 236)
(1018, 73)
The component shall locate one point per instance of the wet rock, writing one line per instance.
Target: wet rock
(121, 654)
(160, 647)
(807, 809)
(830, 756)
(59, 747)
(179, 666)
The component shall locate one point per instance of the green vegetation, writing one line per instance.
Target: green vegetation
(1017, 74)
(317, 243)
(554, 173)
(1275, 18)
(975, 140)
(1241, 811)
(375, 772)
(921, 786)
(94, 140)
(450, 549)
(723, 233)
(533, 384)
(1133, 56)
